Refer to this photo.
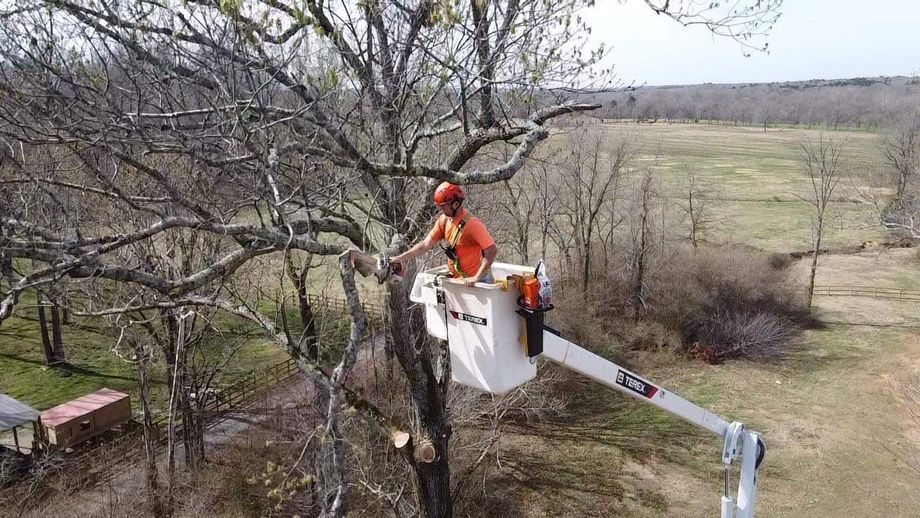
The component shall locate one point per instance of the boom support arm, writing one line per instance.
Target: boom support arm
(737, 441)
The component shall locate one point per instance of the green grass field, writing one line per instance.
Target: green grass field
(25, 377)
(92, 363)
(756, 179)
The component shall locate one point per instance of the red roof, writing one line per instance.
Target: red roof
(81, 406)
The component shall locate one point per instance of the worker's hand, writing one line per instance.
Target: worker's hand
(470, 282)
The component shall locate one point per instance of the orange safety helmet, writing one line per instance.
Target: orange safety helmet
(448, 192)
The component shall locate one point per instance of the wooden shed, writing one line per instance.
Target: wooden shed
(76, 421)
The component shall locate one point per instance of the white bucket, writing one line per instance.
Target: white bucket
(483, 331)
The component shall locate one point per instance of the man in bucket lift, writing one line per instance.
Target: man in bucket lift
(470, 248)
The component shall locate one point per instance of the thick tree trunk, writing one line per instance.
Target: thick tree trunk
(151, 433)
(6, 270)
(56, 338)
(308, 319)
(429, 395)
(43, 329)
(814, 262)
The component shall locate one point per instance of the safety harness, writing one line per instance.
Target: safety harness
(451, 249)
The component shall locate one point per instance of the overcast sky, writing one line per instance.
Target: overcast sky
(814, 39)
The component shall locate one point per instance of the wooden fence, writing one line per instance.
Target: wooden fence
(320, 303)
(874, 292)
(248, 388)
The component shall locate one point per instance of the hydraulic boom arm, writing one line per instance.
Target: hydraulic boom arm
(737, 441)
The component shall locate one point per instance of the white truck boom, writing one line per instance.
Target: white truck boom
(494, 345)
(737, 441)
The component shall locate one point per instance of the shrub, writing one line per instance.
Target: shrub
(730, 333)
(780, 261)
(713, 303)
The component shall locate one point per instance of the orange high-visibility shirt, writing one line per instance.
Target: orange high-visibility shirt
(474, 239)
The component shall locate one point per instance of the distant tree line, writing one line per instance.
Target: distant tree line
(865, 103)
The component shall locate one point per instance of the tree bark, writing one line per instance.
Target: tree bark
(151, 433)
(814, 261)
(43, 328)
(308, 319)
(641, 248)
(56, 337)
(429, 396)
(192, 433)
(6, 270)
(170, 324)
(586, 267)
(192, 439)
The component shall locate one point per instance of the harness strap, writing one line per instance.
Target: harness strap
(452, 244)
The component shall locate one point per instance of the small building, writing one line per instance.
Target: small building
(76, 421)
(13, 415)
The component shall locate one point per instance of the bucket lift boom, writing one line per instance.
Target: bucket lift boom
(737, 440)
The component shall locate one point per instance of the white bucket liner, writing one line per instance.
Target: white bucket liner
(485, 335)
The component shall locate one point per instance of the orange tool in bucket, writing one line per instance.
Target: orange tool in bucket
(535, 300)
(535, 288)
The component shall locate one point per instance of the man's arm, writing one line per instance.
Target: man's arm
(488, 257)
(420, 248)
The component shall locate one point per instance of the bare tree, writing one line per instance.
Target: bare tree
(142, 352)
(590, 178)
(902, 151)
(520, 208)
(334, 485)
(641, 241)
(299, 273)
(821, 162)
(547, 198)
(698, 208)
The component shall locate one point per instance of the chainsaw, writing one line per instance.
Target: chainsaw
(380, 266)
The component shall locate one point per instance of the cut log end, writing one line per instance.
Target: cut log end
(400, 438)
(425, 451)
